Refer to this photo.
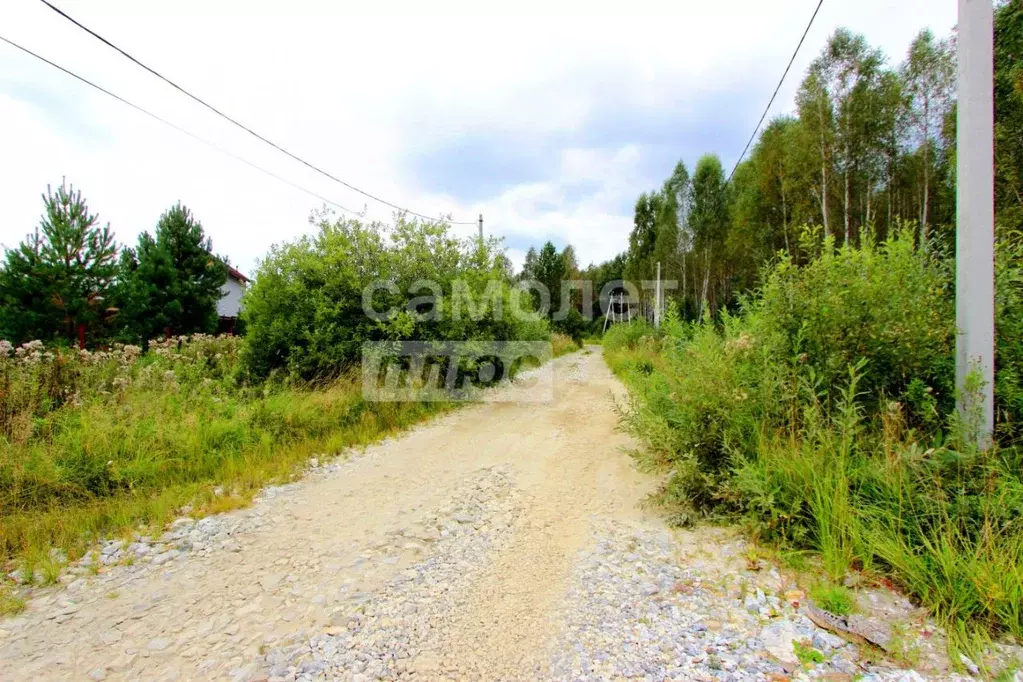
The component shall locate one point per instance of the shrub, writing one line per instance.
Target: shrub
(1009, 336)
(823, 415)
(305, 316)
(884, 303)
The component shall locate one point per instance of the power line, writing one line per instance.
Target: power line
(768, 107)
(235, 122)
(177, 127)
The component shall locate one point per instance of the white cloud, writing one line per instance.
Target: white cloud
(358, 94)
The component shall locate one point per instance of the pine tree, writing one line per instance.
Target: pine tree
(57, 283)
(173, 280)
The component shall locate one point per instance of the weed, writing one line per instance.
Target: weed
(902, 647)
(822, 414)
(10, 603)
(178, 426)
(806, 654)
(50, 568)
(753, 558)
(1008, 674)
(562, 344)
(836, 599)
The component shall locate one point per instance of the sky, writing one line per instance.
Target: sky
(549, 122)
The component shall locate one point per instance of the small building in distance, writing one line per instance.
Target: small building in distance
(229, 307)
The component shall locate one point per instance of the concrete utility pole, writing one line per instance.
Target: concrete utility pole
(481, 227)
(975, 218)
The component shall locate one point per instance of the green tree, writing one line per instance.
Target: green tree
(172, 280)
(550, 271)
(816, 115)
(709, 220)
(848, 70)
(572, 275)
(316, 301)
(673, 239)
(643, 238)
(929, 77)
(57, 283)
(529, 265)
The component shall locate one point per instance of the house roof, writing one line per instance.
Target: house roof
(235, 274)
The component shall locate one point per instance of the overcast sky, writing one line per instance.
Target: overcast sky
(549, 124)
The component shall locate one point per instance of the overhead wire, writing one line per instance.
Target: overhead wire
(235, 122)
(177, 127)
(775, 94)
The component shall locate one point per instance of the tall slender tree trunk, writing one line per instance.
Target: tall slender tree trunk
(824, 171)
(926, 197)
(845, 203)
(890, 191)
(784, 218)
(683, 285)
(866, 218)
(927, 173)
(706, 284)
(824, 198)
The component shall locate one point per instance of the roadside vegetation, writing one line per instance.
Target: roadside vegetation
(821, 414)
(101, 442)
(802, 380)
(121, 435)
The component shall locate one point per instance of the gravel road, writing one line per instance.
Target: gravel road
(502, 541)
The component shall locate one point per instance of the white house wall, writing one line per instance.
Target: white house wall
(229, 304)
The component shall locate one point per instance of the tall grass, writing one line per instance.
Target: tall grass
(97, 444)
(822, 416)
(562, 344)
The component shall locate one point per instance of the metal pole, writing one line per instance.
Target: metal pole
(657, 303)
(481, 227)
(975, 315)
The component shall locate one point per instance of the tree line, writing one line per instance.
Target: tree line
(69, 281)
(871, 147)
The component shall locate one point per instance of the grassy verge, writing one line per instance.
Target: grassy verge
(939, 519)
(822, 418)
(138, 438)
(110, 444)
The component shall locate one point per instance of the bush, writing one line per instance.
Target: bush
(305, 316)
(823, 415)
(886, 304)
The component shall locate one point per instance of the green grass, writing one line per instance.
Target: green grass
(806, 654)
(827, 472)
(171, 453)
(10, 603)
(118, 461)
(836, 599)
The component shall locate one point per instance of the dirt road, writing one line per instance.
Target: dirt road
(519, 485)
(503, 541)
